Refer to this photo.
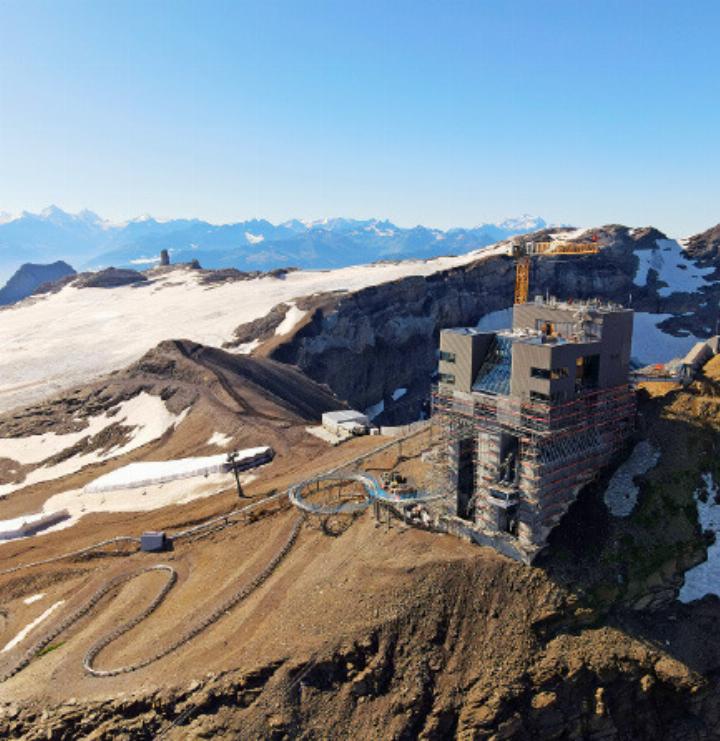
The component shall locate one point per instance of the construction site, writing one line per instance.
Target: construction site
(522, 419)
(529, 415)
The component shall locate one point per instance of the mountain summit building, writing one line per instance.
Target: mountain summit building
(530, 415)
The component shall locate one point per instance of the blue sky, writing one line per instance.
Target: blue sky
(440, 113)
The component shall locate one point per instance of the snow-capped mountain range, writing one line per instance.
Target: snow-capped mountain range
(90, 242)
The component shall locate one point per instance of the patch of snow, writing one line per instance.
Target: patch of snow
(382, 232)
(673, 267)
(35, 362)
(568, 234)
(246, 347)
(705, 577)
(147, 414)
(31, 626)
(526, 222)
(292, 317)
(622, 492)
(144, 473)
(33, 598)
(220, 439)
(651, 345)
(21, 527)
(398, 393)
(376, 409)
(333, 438)
(500, 319)
(254, 238)
(80, 502)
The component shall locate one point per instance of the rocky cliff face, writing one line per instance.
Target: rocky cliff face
(705, 247)
(368, 344)
(29, 278)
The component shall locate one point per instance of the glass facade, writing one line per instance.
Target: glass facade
(494, 374)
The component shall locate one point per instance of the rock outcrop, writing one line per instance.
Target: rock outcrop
(366, 344)
(29, 277)
(705, 247)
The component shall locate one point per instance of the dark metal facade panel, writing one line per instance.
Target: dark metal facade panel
(469, 349)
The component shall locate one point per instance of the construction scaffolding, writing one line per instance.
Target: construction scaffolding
(515, 466)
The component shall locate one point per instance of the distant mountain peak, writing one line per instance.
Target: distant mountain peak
(89, 241)
(51, 211)
(6, 217)
(29, 277)
(525, 222)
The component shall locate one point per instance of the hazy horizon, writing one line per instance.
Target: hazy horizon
(436, 114)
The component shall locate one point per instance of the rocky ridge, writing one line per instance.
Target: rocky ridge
(29, 277)
(366, 344)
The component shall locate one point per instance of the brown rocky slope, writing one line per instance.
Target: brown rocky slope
(403, 634)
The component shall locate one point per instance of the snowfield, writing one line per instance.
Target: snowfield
(147, 414)
(60, 340)
(673, 267)
(80, 502)
(651, 345)
(76, 503)
(705, 577)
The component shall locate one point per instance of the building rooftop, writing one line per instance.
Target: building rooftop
(466, 330)
(591, 305)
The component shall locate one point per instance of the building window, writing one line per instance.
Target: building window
(446, 378)
(538, 396)
(587, 371)
(448, 357)
(546, 373)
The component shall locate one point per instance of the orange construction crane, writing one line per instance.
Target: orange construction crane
(524, 251)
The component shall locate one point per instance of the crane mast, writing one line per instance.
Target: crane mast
(524, 251)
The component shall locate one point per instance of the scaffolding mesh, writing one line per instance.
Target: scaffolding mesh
(561, 446)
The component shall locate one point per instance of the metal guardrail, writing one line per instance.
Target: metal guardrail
(342, 508)
(73, 554)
